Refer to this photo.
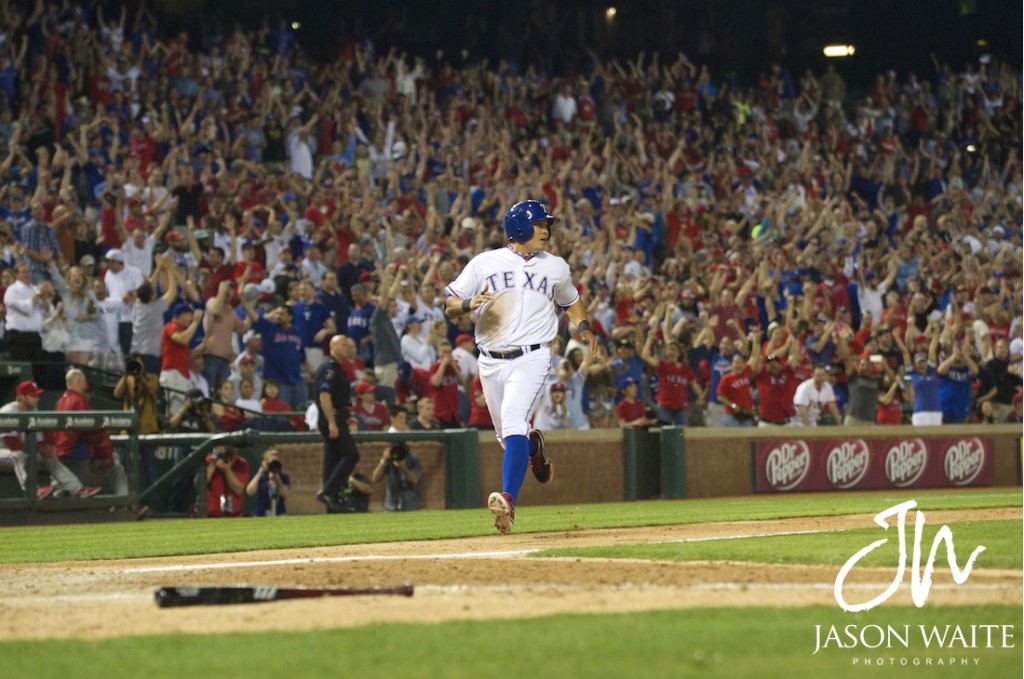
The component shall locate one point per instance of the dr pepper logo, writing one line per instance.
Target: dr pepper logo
(964, 460)
(905, 462)
(847, 463)
(787, 465)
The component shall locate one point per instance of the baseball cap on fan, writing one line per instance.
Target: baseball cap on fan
(28, 388)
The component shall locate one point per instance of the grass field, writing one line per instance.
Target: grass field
(1001, 539)
(728, 643)
(695, 642)
(176, 537)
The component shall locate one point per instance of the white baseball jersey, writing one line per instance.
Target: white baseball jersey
(521, 312)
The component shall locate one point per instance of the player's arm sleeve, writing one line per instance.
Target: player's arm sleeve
(566, 294)
(465, 285)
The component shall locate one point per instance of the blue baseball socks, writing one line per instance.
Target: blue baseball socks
(513, 470)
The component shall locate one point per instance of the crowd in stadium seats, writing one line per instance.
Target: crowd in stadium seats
(219, 212)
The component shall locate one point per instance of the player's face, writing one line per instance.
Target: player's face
(541, 233)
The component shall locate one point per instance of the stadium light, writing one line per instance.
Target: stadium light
(610, 13)
(838, 51)
(296, 25)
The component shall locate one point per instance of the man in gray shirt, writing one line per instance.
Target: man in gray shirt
(148, 314)
(387, 346)
(864, 387)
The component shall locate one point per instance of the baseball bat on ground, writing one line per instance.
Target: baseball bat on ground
(171, 597)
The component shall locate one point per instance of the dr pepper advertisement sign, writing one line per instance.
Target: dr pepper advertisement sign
(869, 464)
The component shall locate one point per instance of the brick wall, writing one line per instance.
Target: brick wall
(589, 465)
(588, 468)
(304, 464)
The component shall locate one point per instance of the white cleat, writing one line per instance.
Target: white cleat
(500, 505)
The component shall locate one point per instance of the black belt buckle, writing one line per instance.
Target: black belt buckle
(511, 353)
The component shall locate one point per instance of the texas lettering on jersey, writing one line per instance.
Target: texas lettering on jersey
(521, 312)
(507, 279)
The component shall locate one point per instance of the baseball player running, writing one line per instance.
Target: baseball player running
(512, 291)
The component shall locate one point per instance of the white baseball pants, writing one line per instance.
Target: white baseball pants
(511, 387)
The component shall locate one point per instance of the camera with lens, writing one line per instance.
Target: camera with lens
(198, 400)
(134, 367)
(399, 451)
(274, 466)
(222, 455)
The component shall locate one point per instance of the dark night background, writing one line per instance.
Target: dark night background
(740, 36)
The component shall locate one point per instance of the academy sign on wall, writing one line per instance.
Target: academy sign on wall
(788, 465)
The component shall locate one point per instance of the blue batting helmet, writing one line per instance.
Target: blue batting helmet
(520, 218)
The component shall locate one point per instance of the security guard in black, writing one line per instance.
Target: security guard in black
(333, 397)
(330, 378)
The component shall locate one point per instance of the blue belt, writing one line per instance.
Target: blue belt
(511, 353)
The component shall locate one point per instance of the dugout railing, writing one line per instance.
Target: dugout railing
(460, 454)
(652, 462)
(35, 422)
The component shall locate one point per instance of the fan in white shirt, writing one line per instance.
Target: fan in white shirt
(415, 350)
(813, 397)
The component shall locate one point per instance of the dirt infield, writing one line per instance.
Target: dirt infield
(478, 578)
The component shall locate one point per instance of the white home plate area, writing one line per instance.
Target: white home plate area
(466, 579)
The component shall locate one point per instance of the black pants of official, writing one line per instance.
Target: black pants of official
(340, 458)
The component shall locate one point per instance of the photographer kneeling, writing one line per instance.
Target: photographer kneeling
(226, 477)
(403, 472)
(270, 486)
